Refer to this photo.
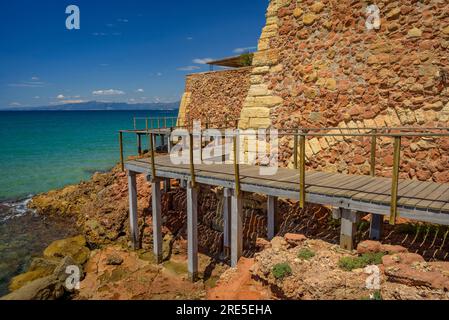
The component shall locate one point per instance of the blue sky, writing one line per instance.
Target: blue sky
(131, 51)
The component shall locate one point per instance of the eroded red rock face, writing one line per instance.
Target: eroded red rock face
(238, 284)
(318, 275)
(131, 278)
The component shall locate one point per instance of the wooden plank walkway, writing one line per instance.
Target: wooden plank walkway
(422, 201)
(350, 196)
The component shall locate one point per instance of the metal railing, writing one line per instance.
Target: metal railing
(155, 123)
(172, 122)
(300, 136)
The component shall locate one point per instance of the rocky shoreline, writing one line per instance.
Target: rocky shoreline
(304, 262)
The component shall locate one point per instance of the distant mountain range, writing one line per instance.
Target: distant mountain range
(100, 106)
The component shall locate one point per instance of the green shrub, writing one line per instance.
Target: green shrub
(377, 295)
(366, 259)
(281, 270)
(305, 254)
(246, 59)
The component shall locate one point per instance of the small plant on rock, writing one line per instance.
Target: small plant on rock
(306, 254)
(375, 296)
(366, 259)
(281, 270)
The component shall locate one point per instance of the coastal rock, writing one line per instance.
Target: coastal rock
(134, 278)
(51, 287)
(39, 268)
(100, 205)
(369, 246)
(74, 247)
(294, 239)
(238, 284)
(321, 277)
(114, 260)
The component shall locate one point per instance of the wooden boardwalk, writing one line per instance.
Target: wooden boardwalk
(351, 196)
(423, 201)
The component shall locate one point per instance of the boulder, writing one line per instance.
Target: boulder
(51, 287)
(74, 247)
(294, 240)
(416, 276)
(114, 260)
(262, 244)
(370, 246)
(402, 258)
(39, 268)
(278, 244)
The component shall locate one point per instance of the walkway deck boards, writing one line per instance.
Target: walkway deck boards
(424, 201)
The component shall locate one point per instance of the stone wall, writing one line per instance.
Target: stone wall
(318, 65)
(214, 95)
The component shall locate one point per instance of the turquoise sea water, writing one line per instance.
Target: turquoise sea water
(40, 151)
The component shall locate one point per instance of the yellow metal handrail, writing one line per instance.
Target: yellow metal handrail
(300, 136)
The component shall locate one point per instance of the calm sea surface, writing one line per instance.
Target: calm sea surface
(41, 151)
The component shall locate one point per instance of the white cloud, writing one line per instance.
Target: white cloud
(188, 68)
(37, 97)
(104, 65)
(15, 104)
(35, 78)
(99, 34)
(243, 50)
(109, 92)
(189, 38)
(140, 90)
(60, 97)
(202, 61)
(27, 84)
(159, 74)
(122, 20)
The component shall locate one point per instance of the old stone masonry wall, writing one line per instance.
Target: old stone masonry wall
(318, 65)
(215, 95)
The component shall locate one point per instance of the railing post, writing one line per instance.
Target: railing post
(295, 150)
(302, 170)
(146, 124)
(165, 122)
(201, 145)
(122, 162)
(373, 153)
(135, 125)
(192, 166)
(395, 180)
(153, 162)
(158, 123)
(139, 144)
(223, 149)
(236, 165)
